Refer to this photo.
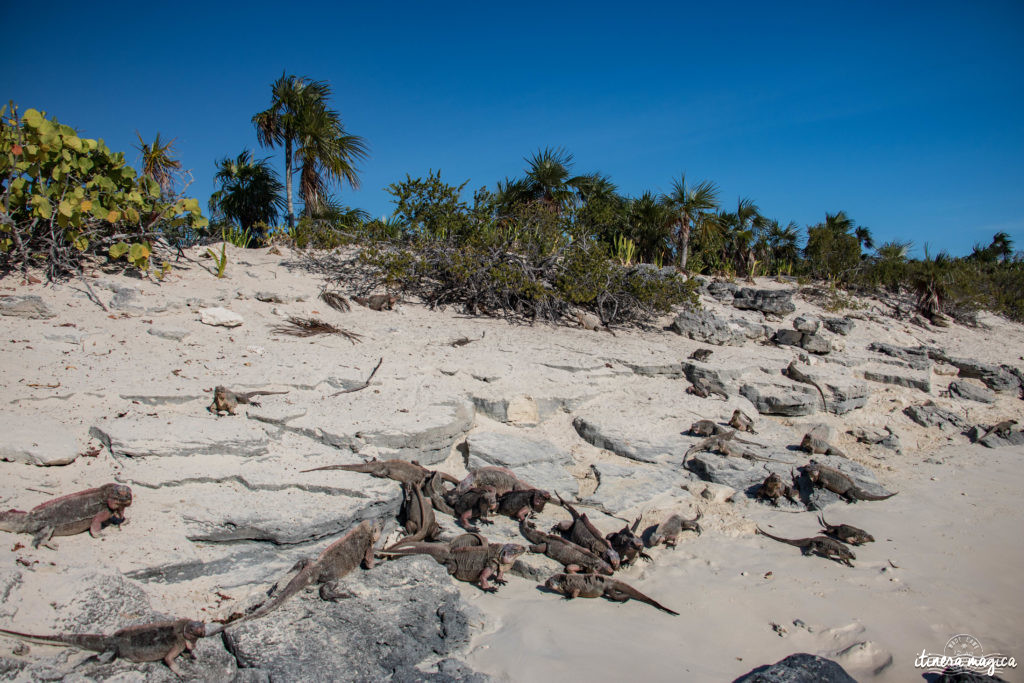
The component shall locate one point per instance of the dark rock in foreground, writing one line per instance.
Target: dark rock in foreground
(772, 301)
(798, 668)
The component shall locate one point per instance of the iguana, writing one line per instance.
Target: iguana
(419, 517)
(742, 422)
(725, 444)
(476, 503)
(573, 557)
(159, 640)
(701, 355)
(1000, 429)
(594, 586)
(225, 400)
(668, 532)
(434, 487)
(520, 504)
(628, 545)
(845, 532)
(816, 446)
(837, 482)
(794, 373)
(501, 479)
(403, 471)
(773, 488)
(334, 563)
(591, 323)
(377, 302)
(583, 533)
(711, 428)
(473, 564)
(819, 545)
(88, 510)
(702, 388)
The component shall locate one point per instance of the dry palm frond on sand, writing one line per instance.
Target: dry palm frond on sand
(335, 301)
(308, 327)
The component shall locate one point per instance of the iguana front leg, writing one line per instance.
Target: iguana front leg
(482, 580)
(97, 522)
(171, 656)
(464, 522)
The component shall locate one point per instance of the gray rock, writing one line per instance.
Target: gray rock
(751, 330)
(405, 613)
(723, 376)
(1013, 438)
(219, 316)
(739, 473)
(181, 435)
(931, 415)
(843, 326)
(819, 498)
(798, 668)
(921, 382)
(125, 298)
(36, 440)
(971, 392)
(788, 337)
(722, 291)
(915, 358)
(808, 324)
(775, 399)
(624, 487)
(169, 333)
(276, 298)
(670, 370)
(537, 462)
(845, 395)
(995, 377)
(816, 343)
(27, 306)
(772, 301)
(704, 326)
(629, 439)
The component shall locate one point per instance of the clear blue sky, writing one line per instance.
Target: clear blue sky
(908, 116)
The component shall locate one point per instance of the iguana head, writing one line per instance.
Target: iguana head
(539, 499)
(510, 551)
(118, 496)
(558, 583)
(220, 391)
(193, 630)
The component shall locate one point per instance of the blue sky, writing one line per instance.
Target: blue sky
(908, 116)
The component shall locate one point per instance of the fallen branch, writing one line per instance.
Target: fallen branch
(361, 387)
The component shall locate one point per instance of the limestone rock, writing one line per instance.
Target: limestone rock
(537, 462)
(971, 392)
(771, 301)
(808, 324)
(704, 326)
(181, 435)
(36, 440)
(841, 326)
(775, 399)
(995, 377)
(931, 415)
(27, 306)
(220, 317)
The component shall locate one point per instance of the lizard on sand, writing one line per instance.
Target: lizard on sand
(377, 302)
(476, 503)
(837, 482)
(845, 532)
(333, 564)
(773, 488)
(817, 446)
(419, 517)
(711, 428)
(573, 557)
(668, 532)
(520, 504)
(701, 355)
(594, 586)
(794, 373)
(402, 471)
(225, 400)
(583, 533)
(742, 422)
(473, 564)
(818, 545)
(591, 323)
(159, 640)
(702, 388)
(1001, 429)
(501, 479)
(627, 544)
(88, 510)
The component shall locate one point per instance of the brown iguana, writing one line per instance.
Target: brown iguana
(742, 422)
(816, 446)
(476, 503)
(773, 488)
(591, 323)
(702, 388)
(377, 302)
(159, 640)
(403, 471)
(668, 532)
(594, 586)
(575, 558)
(725, 444)
(501, 479)
(793, 372)
(334, 563)
(225, 400)
(1000, 429)
(845, 532)
(583, 533)
(837, 482)
(88, 510)
(819, 545)
(701, 355)
(711, 428)
(628, 545)
(434, 487)
(520, 504)
(473, 564)
(419, 517)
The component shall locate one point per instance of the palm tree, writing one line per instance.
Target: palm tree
(649, 224)
(250, 191)
(690, 204)
(782, 243)
(863, 236)
(1002, 246)
(548, 180)
(743, 234)
(158, 164)
(299, 120)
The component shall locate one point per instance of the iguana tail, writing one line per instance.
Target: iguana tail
(14, 520)
(616, 590)
(436, 550)
(360, 467)
(95, 642)
(861, 494)
(305, 577)
(777, 538)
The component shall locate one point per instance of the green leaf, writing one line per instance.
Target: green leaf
(138, 252)
(152, 187)
(32, 118)
(81, 243)
(118, 250)
(74, 142)
(65, 208)
(6, 244)
(43, 207)
(85, 163)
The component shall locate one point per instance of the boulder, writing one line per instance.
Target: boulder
(931, 415)
(808, 324)
(788, 337)
(995, 377)
(36, 440)
(774, 399)
(722, 291)
(798, 668)
(220, 317)
(27, 306)
(705, 327)
(816, 343)
(535, 461)
(841, 326)
(771, 301)
(971, 392)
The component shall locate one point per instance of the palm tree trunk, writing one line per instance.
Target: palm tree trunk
(288, 181)
(684, 248)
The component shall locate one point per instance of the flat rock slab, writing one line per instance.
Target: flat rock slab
(772, 301)
(227, 512)
(742, 474)
(931, 415)
(818, 498)
(791, 400)
(704, 326)
(650, 440)
(36, 440)
(921, 381)
(917, 358)
(220, 317)
(624, 487)
(404, 612)
(798, 668)
(971, 392)
(995, 377)
(535, 461)
(29, 306)
(181, 435)
(529, 409)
